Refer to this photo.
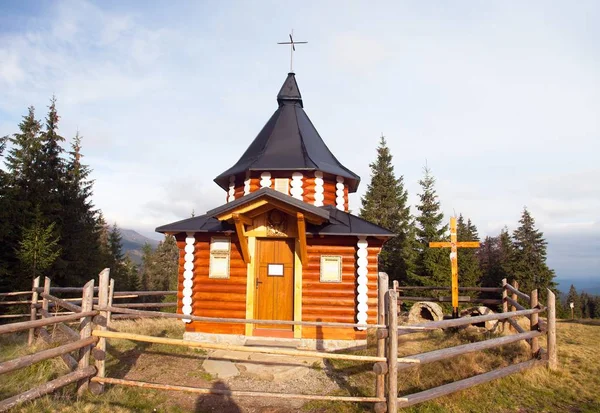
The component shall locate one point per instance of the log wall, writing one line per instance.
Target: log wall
(308, 186)
(336, 302)
(225, 298)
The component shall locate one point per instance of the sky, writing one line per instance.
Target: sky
(500, 99)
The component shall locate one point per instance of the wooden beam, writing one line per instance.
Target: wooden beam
(235, 393)
(241, 233)
(46, 388)
(464, 384)
(26, 325)
(302, 238)
(467, 244)
(440, 244)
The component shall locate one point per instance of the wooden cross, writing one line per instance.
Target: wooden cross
(454, 245)
(292, 44)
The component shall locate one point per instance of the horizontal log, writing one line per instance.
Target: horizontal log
(68, 359)
(15, 316)
(146, 305)
(65, 329)
(457, 322)
(25, 361)
(472, 300)
(235, 393)
(517, 292)
(245, 321)
(143, 293)
(446, 353)
(481, 289)
(219, 346)
(26, 325)
(515, 304)
(47, 388)
(20, 302)
(15, 293)
(465, 383)
(62, 303)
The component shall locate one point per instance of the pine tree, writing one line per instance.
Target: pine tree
(530, 256)
(116, 259)
(433, 264)
(469, 270)
(386, 204)
(38, 248)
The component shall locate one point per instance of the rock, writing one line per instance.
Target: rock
(477, 311)
(223, 369)
(424, 311)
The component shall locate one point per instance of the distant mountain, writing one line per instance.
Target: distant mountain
(133, 242)
(590, 285)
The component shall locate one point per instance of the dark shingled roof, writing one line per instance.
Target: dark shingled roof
(289, 142)
(337, 222)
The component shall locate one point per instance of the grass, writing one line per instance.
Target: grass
(575, 387)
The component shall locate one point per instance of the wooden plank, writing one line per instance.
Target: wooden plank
(392, 354)
(235, 393)
(465, 383)
(446, 353)
(552, 351)
(467, 244)
(515, 291)
(33, 311)
(62, 303)
(187, 343)
(46, 388)
(28, 360)
(444, 244)
(302, 238)
(25, 325)
(432, 325)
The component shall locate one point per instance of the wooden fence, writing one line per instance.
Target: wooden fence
(94, 309)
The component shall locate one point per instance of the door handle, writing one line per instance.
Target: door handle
(258, 282)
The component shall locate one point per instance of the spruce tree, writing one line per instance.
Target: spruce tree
(469, 271)
(433, 264)
(116, 260)
(38, 247)
(530, 256)
(386, 204)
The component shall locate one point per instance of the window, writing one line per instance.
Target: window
(220, 248)
(331, 268)
(282, 185)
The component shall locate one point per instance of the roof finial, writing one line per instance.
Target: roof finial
(292, 44)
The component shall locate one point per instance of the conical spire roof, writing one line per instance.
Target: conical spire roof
(289, 142)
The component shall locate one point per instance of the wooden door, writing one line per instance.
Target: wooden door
(275, 285)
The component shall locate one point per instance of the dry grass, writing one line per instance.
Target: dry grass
(575, 387)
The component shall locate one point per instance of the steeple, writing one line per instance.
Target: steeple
(288, 143)
(289, 91)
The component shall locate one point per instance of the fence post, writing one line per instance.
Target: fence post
(504, 296)
(533, 323)
(552, 353)
(100, 350)
(382, 287)
(45, 300)
(392, 356)
(85, 331)
(33, 311)
(111, 293)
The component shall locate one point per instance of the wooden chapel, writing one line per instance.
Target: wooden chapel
(283, 246)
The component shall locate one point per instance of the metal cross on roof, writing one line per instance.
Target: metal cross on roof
(292, 44)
